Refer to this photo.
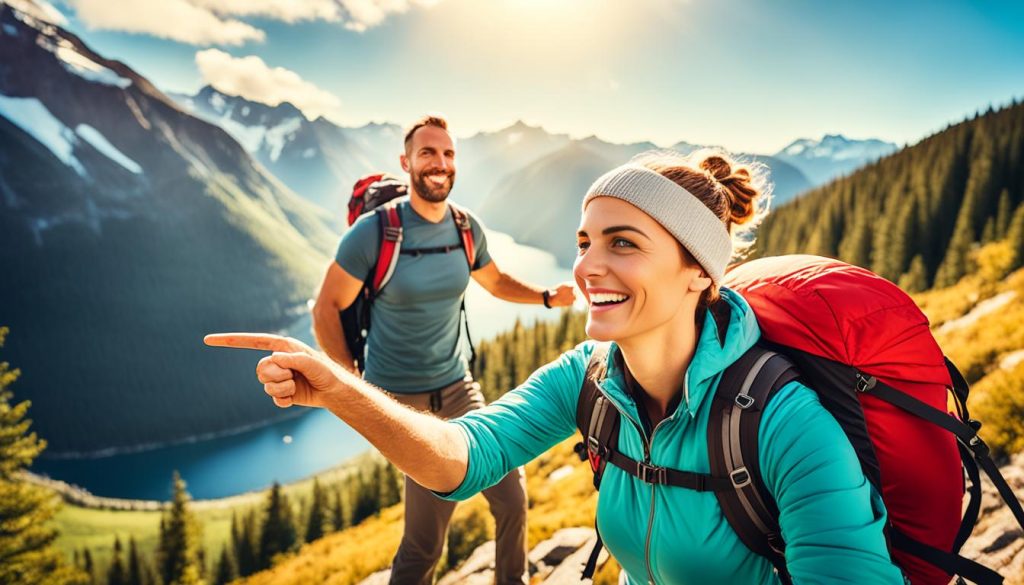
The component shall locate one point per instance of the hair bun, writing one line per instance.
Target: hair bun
(738, 186)
(717, 166)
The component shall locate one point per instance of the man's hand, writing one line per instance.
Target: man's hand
(294, 373)
(564, 295)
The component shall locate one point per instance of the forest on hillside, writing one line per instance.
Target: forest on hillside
(915, 216)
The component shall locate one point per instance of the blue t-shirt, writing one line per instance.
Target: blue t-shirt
(415, 342)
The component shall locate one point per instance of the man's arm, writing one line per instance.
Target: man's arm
(508, 288)
(338, 291)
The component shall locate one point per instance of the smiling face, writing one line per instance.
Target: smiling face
(430, 162)
(634, 274)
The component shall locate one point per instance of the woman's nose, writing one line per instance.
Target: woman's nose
(588, 265)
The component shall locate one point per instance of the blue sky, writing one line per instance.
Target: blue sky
(747, 75)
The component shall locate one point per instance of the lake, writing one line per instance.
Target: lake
(298, 447)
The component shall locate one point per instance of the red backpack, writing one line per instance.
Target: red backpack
(379, 194)
(865, 348)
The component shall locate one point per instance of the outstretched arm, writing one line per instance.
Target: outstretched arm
(430, 451)
(509, 288)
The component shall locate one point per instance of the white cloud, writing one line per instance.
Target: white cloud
(364, 14)
(178, 20)
(251, 78)
(283, 10)
(216, 22)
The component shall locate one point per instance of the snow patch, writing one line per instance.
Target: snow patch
(796, 149)
(1010, 360)
(31, 115)
(278, 135)
(100, 143)
(309, 153)
(245, 111)
(217, 102)
(40, 9)
(514, 137)
(560, 473)
(88, 69)
(250, 137)
(986, 307)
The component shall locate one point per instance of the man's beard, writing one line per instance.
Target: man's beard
(430, 191)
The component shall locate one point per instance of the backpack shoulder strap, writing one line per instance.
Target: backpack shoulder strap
(390, 222)
(598, 423)
(465, 227)
(596, 419)
(733, 451)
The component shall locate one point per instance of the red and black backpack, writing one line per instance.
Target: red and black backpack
(866, 349)
(379, 194)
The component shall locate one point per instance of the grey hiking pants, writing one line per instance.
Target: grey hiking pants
(427, 516)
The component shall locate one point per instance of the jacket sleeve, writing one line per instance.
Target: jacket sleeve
(830, 515)
(523, 423)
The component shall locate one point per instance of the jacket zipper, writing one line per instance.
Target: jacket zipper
(647, 460)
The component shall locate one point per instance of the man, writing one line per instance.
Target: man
(414, 350)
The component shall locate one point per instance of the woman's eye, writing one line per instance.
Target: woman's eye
(582, 245)
(621, 243)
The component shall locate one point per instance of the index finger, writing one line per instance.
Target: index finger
(261, 341)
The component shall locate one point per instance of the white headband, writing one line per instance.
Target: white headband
(697, 228)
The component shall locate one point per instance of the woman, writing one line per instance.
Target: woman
(655, 238)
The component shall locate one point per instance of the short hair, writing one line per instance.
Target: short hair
(436, 121)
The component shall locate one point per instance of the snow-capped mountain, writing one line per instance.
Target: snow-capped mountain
(832, 156)
(128, 229)
(317, 159)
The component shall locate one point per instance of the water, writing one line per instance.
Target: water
(218, 467)
(298, 447)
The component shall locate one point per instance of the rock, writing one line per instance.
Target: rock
(556, 561)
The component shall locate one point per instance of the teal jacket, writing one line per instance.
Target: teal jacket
(831, 517)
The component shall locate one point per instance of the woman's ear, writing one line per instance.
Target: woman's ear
(700, 282)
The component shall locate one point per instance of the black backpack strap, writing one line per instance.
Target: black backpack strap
(599, 426)
(596, 418)
(744, 390)
(974, 454)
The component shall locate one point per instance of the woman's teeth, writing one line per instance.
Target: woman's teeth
(607, 298)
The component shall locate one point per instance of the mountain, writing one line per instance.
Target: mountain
(317, 159)
(540, 204)
(833, 156)
(557, 182)
(487, 160)
(129, 229)
(918, 216)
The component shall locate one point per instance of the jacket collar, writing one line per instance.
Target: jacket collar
(712, 356)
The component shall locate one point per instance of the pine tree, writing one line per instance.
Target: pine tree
(915, 279)
(278, 534)
(180, 561)
(226, 571)
(338, 511)
(27, 553)
(88, 566)
(243, 542)
(117, 574)
(137, 574)
(317, 521)
(1003, 214)
(1015, 235)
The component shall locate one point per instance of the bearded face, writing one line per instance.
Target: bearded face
(430, 162)
(434, 183)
